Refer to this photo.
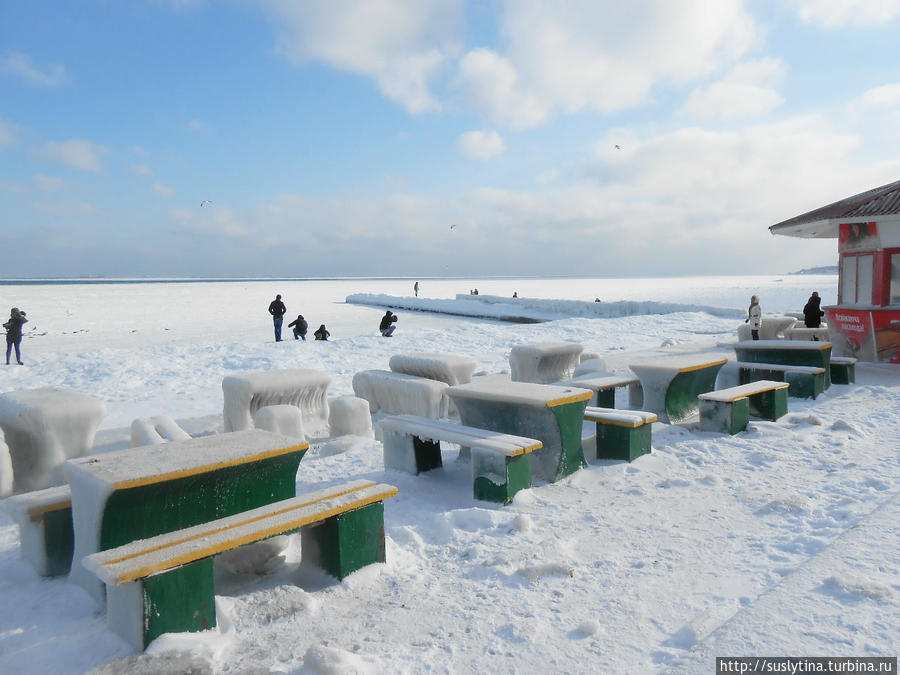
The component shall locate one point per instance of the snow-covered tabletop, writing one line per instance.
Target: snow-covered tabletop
(671, 384)
(549, 413)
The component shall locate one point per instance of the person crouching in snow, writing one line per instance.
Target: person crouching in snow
(387, 324)
(754, 316)
(300, 327)
(14, 333)
(322, 333)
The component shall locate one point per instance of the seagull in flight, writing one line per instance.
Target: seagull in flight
(205, 202)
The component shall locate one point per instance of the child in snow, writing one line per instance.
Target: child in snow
(754, 316)
(300, 327)
(14, 333)
(322, 333)
(387, 324)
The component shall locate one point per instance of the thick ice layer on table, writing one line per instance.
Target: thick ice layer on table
(305, 388)
(398, 393)
(519, 393)
(544, 362)
(595, 367)
(283, 419)
(155, 430)
(773, 327)
(43, 428)
(350, 416)
(6, 471)
(450, 368)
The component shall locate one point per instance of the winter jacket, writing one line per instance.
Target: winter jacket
(754, 314)
(277, 309)
(812, 313)
(387, 320)
(14, 326)
(301, 325)
(322, 333)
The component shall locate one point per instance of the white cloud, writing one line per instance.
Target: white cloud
(79, 154)
(8, 135)
(402, 44)
(48, 183)
(838, 13)
(482, 145)
(142, 170)
(163, 190)
(885, 96)
(584, 55)
(21, 66)
(746, 91)
(198, 126)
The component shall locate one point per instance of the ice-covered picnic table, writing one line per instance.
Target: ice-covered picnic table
(787, 353)
(548, 413)
(452, 369)
(671, 384)
(122, 496)
(544, 362)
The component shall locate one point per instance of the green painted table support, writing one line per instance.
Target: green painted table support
(620, 442)
(176, 601)
(59, 541)
(606, 398)
(843, 373)
(681, 396)
(499, 478)
(727, 417)
(770, 405)
(346, 542)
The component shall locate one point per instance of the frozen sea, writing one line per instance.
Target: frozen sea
(781, 540)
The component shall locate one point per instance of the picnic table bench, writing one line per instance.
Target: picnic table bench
(621, 434)
(728, 410)
(842, 370)
(786, 352)
(604, 388)
(809, 334)
(804, 381)
(501, 464)
(122, 496)
(548, 413)
(671, 384)
(165, 584)
(46, 537)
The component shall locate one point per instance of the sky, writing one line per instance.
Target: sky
(274, 138)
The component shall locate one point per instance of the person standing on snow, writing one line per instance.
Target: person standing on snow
(416, 288)
(754, 316)
(277, 310)
(14, 333)
(812, 311)
(387, 324)
(300, 327)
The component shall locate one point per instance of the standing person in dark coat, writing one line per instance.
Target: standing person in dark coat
(322, 333)
(14, 333)
(387, 324)
(812, 311)
(277, 310)
(300, 327)
(416, 288)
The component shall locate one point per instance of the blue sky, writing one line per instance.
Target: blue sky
(345, 138)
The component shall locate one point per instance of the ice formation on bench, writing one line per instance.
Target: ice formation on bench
(6, 471)
(350, 416)
(304, 388)
(43, 428)
(397, 393)
(773, 327)
(155, 430)
(283, 419)
(544, 362)
(594, 366)
(450, 368)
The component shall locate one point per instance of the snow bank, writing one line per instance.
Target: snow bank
(43, 428)
(535, 309)
(305, 388)
(155, 430)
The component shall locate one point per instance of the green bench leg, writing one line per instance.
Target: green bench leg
(769, 405)
(803, 385)
(344, 543)
(842, 373)
(727, 417)
(59, 541)
(606, 398)
(618, 442)
(177, 601)
(497, 478)
(427, 454)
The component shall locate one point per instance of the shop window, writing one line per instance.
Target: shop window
(895, 279)
(865, 269)
(848, 280)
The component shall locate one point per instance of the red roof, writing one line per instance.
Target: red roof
(822, 222)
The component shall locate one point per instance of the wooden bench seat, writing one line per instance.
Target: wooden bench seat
(621, 434)
(804, 381)
(165, 583)
(46, 536)
(501, 465)
(728, 410)
(604, 388)
(843, 370)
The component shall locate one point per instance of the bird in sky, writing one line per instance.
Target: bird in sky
(205, 202)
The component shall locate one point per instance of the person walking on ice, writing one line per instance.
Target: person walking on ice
(14, 333)
(387, 324)
(300, 327)
(277, 310)
(754, 316)
(416, 288)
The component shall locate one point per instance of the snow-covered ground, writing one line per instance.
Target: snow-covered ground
(781, 540)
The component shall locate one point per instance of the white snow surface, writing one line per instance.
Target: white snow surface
(779, 540)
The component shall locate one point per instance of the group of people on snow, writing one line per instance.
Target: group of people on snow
(278, 309)
(812, 314)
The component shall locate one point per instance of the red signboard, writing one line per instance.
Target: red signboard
(867, 334)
